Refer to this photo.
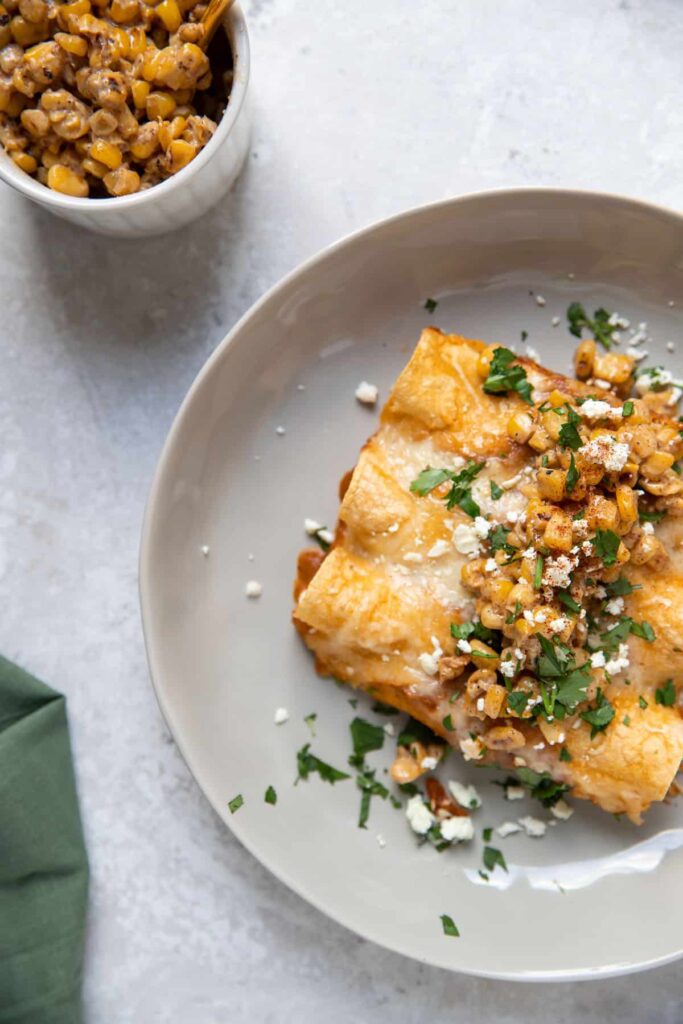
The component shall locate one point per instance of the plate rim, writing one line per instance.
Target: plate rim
(145, 569)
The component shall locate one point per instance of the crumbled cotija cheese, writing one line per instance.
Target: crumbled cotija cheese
(281, 716)
(466, 796)
(253, 589)
(533, 827)
(608, 452)
(439, 548)
(514, 792)
(311, 526)
(559, 624)
(420, 818)
(491, 565)
(367, 393)
(471, 749)
(508, 828)
(428, 763)
(465, 646)
(620, 663)
(508, 668)
(557, 571)
(562, 810)
(429, 662)
(457, 829)
(595, 409)
(615, 606)
(598, 659)
(466, 539)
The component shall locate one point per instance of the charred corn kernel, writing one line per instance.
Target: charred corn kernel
(25, 161)
(121, 42)
(524, 628)
(123, 11)
(170, 130)
(551, 423)
(613, 367)
(484, 656)
(5, 30)
(657, 464)
(144, 146)
(405, 768)
(76, 45)
(648, 550)
(182, 96)
(627, 504)
(137, 41)
(472, 573)
(642, 441)
(159, 106)
(484, 361)
(492, 616)
(49, 158)
(63, 179)
(494, 700)
(553, 732)
(584, 358)
(149, 63)
(93, 167)
(602, 514)
(623, 554)
(504, 737)
(558, 532)
(122, 181)
(181, 153)
(106, 153)
(551, 483)
(559, 398)
(15, 104)
(520, 427)
(140, 91)
(497, 590)
(169, 13)
(591, 472)
(26, 33)
(522, 594)
(663, 486)
(539, 440)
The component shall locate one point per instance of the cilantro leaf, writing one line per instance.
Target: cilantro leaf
(308, 763)
(627, 409)
(498, 540)
(600, 715)
(503, 377)
(493, 857)
(599, 326)
(565, 598)
(569, 434)
(496, 491)
(236, 803)
(369, 787)
(606, 544)
(666, 694)
(270, 796)
(650, 517)
(461, 486)
(449, 926)
(643, 703)
(565, 755)
(366, 736)
(430, 305)
(621, 587)
(517, 701)
(572, 477)
(447, 723)
(644, 630)
(310, 722)
(542, 786)
(416, 732)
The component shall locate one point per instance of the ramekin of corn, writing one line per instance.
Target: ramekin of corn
(117, 115)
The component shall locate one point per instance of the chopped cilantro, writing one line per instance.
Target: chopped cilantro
(524, 335)
(599, 326)
(430, 305)
(369, 787)
(538, 572)
(415, 732)
(514, 614)
(606, 544)
(235, 803)
(409, 788)
(650, 517)
(572, 477)
(476, 631)
(310, 722)
(565, 755)
(565, 598)
(317, 536)
(505, 377)
(666, 694)
(448, 723)
(353, 701)
(496, 491)
(626, 720)
(308, 763)
(642, 702)
(270, 796)
(627, 409)
(569, 435)
(461, 486)
(542, 786)
(366, 737)
(449, 926)
(564, 683)
(486, 834)
(579, 515)
(621, 587)
(384, 709)
(498, 540)
(643, 630)
(600, 715)
(517, 701)
(493, 858)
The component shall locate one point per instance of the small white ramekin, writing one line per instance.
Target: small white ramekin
(181, 198)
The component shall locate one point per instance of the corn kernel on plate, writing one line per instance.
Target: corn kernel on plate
(252, 466)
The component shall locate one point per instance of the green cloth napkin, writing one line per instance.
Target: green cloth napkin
(43, 863)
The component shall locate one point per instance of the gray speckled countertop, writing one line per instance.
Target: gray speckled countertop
(362, 109)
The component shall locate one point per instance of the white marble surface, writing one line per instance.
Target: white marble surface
(363, 108)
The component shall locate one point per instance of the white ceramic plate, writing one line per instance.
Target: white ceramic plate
(596, 896)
